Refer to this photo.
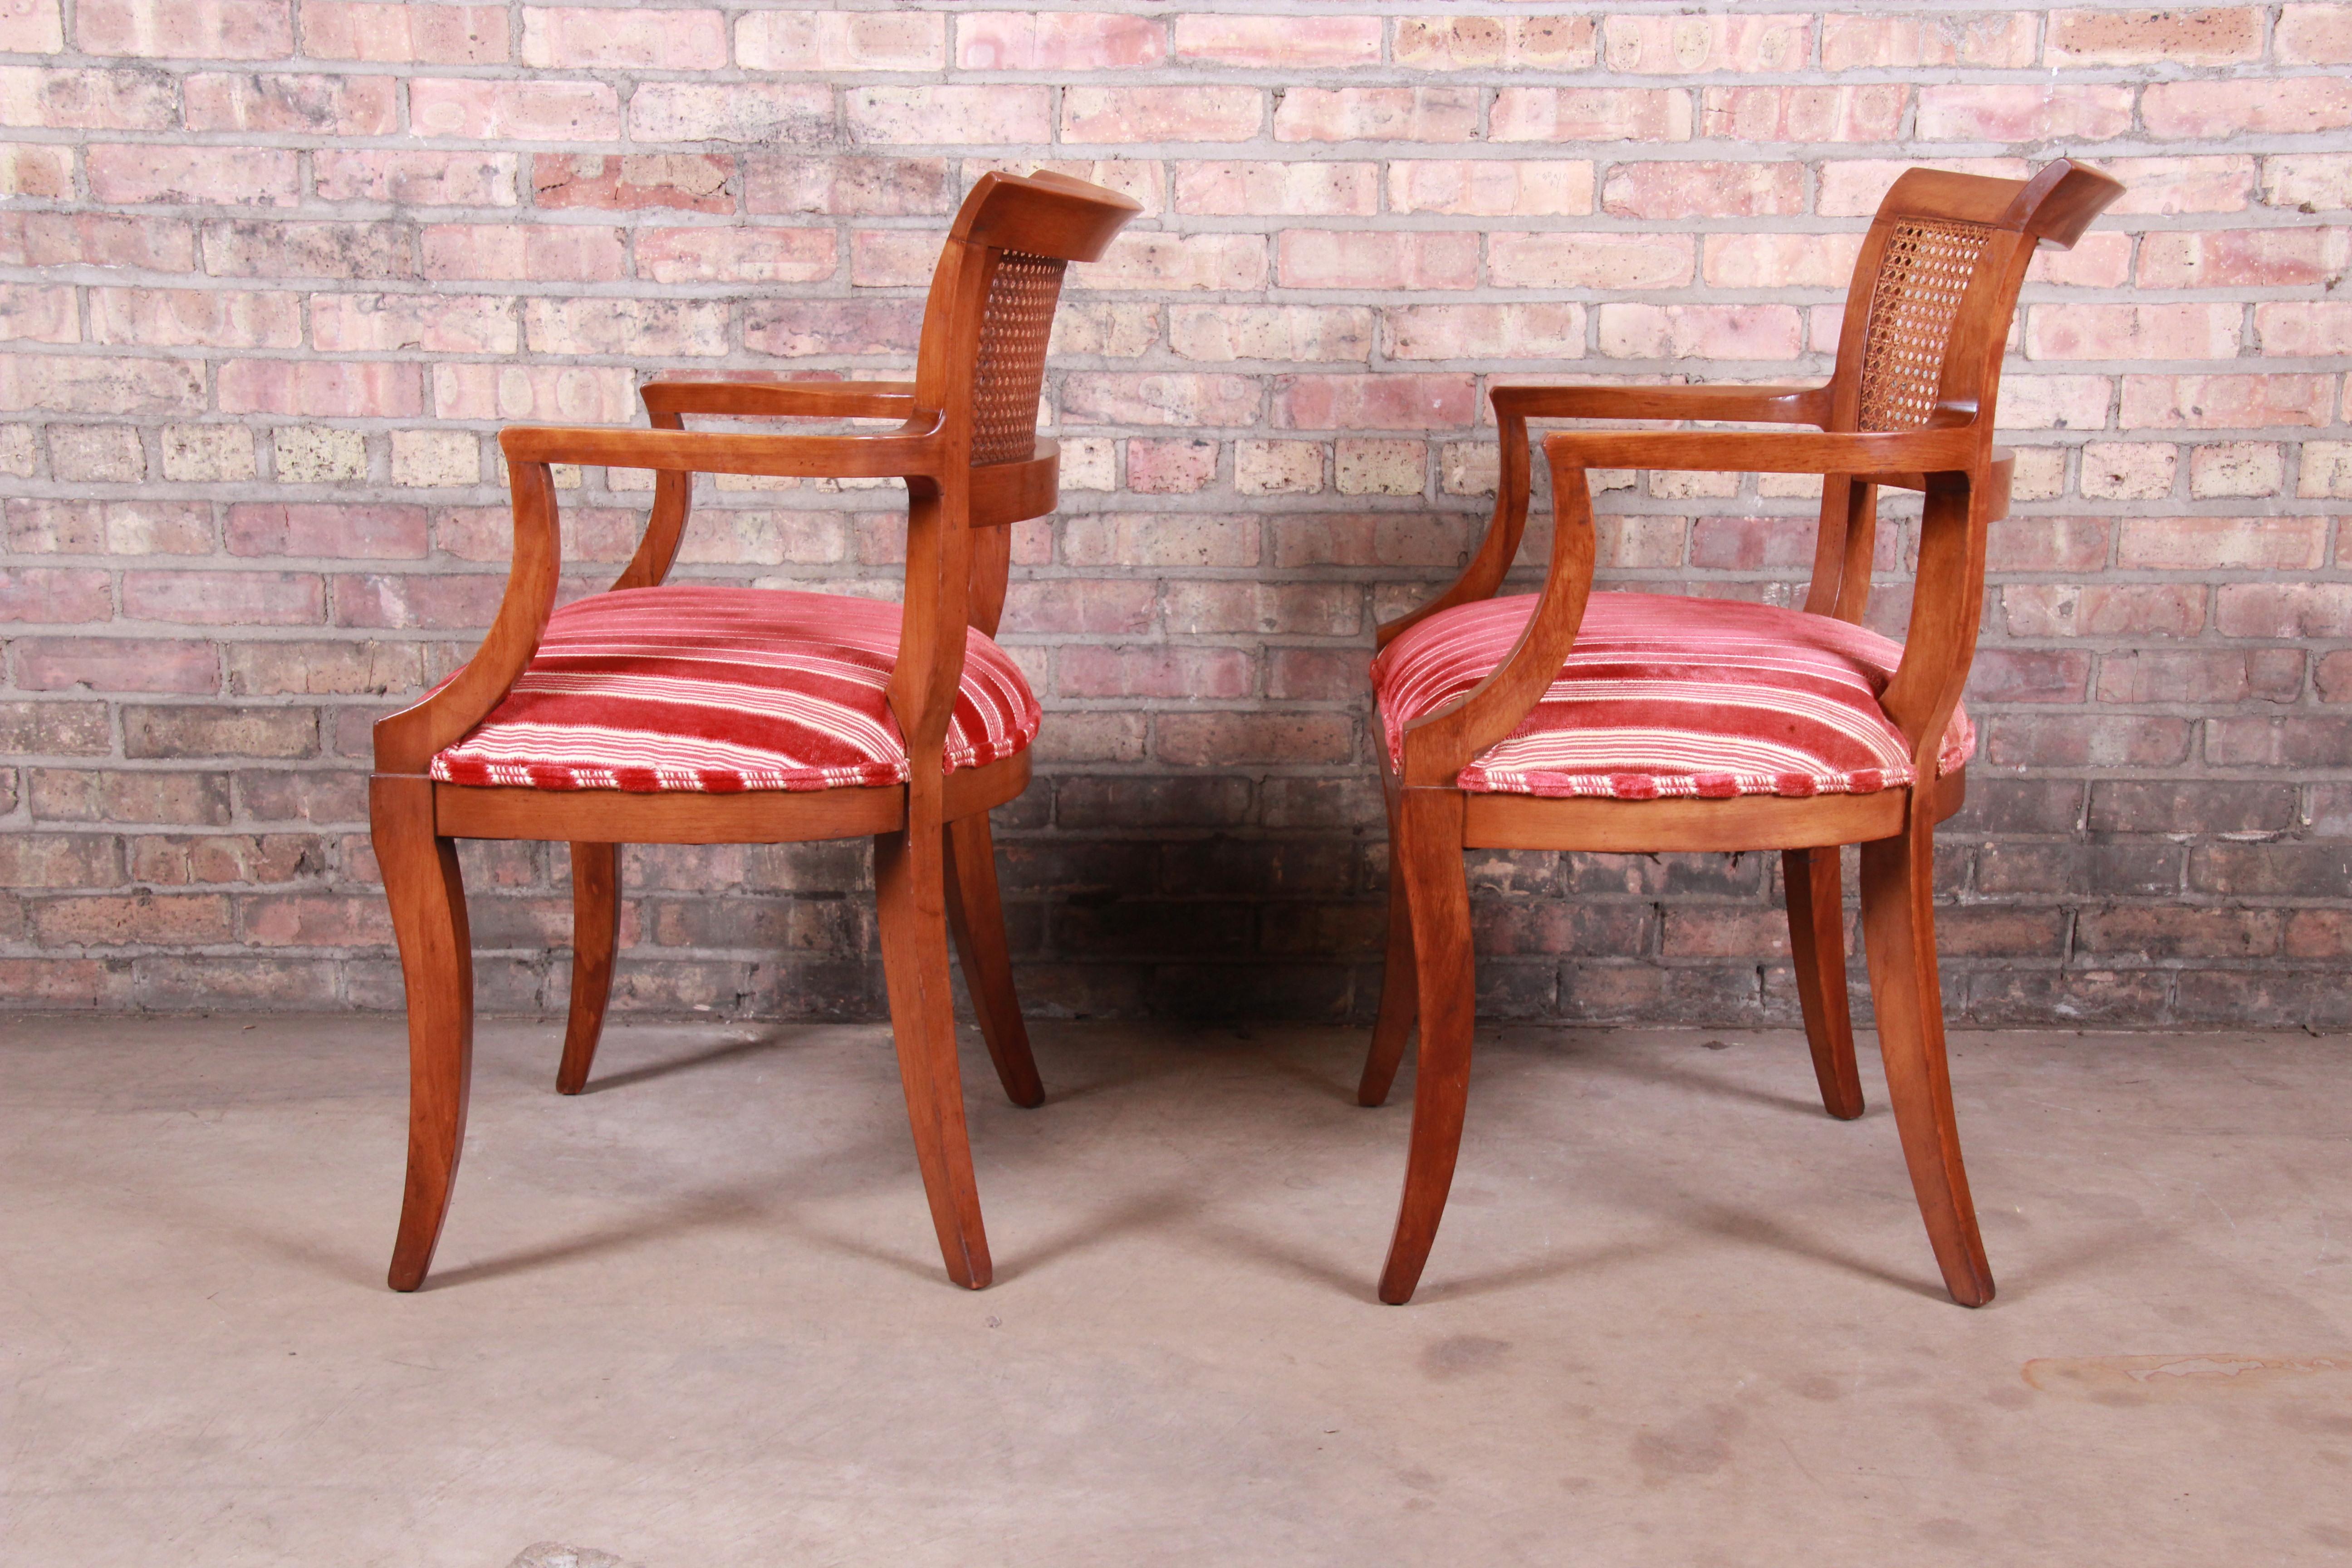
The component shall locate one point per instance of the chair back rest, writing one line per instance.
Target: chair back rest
(991, 312)
(1934, 289)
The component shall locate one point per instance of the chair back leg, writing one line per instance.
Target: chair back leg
(1898, 919)
(595, 937)
(1400, 997)
(976, 917)
(1817, 945)
(910, 901)
(427, 897)
(1427, 855)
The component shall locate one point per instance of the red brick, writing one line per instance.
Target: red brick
(188, 29)
(2203, 36)
(2212, 111)
(2103, 610)
(1589, 114)
(1197, 739)
(1589, 260)
(426, 600)
(732, 253)
(1389, 401)
(309, 105)
(1171, 467)
(2153, 676)
(2076, 740)
(86, 99)
(1330, 259)
(2225, 401)
(1388, 540)
(404, 33)
(224, 598)
(222, 176)
(117, 664)
(330, 530)
(1198, 674)
(1279, 43)
(1111, 607)
(2284, 610)
(314, 919)
(486, 110)
(1057, 41)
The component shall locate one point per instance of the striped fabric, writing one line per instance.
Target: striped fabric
(723, 689)
(1667, 696)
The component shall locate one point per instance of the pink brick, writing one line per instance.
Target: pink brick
(221, 176)
(1688, 46)
(834, 41)
(187, 29)
(417, 600)
(2305, 329)
(89, 383)
(280, 250)
(1356, 258)
(2225, 401)
(1148, 259)
(1998, 40)
(332, 532)
(1589, 114)
(1215, 674)
(653, 328)
(891, 258)
(32, 169)
(1852, 187)
(686, 181)
(2132, 331)
(856, 186)
(1391, 402)
(1176, 467)
(1161, 398)
(1781, 260)
(1987, 112)
(538, 252)
(2223, 543)
(2284, 106)
(196, 318)
(569, 37)
(757, 112)
(492, 110)
(225, 598)
(437, 323)
(332, 389)
(86, 99)
(792, 328)
(1057, 41)
(1290, 190)
(1491, 187)
(1701, 331)
(2199, 35)
(1484, 331)
(545, 394)
(1205, 113)
(1680, 189)
(949, 116)
(2313, 35)
(2100, 259)
(2055, 401)
(117, 664)
(1279, 43)
(1589, 260)
(418, 179)
(113, 528)
(309, 105)
(30, 313)
(2284, 610)
(2167, 186)
(1480, 42)
(45, 593)
(404, 33)
(1873, 113)
(32, 27)
(734, 254)
(2263, 257)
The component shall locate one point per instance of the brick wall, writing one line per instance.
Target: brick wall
(275, 271)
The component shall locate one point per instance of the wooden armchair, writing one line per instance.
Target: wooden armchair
(1638, 722)
(696, 714)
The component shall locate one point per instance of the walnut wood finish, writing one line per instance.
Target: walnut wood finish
(934, 863)
(1958, 245)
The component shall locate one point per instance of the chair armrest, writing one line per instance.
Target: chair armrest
(754, 393)
(1911, 454)
(911, 452)
(1763, 405)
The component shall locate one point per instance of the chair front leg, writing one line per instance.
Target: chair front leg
(1426, 856)
(1817, 946)
(427, 896)
(1898, 919)
(910, 899)
(595, 937)
(976, 916)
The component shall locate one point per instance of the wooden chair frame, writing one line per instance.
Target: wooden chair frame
(1948, 453)
(934, 863)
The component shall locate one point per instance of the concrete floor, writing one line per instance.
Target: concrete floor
(694, 1319)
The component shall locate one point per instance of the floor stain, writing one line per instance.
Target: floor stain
(2137, 1379)
(1697, 1445)
(1459, 1354)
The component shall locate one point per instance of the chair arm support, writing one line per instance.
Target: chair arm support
(912, 450)
(1772, 405)
(751, 393)
(1869, 453)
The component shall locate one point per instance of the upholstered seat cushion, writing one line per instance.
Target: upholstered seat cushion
(723, 689)
(1667, 696)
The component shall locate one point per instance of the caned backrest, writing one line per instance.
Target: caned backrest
(1936, 287)
(983, 359)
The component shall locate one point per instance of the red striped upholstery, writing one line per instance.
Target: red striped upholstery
(1667, 696)
(721, 689)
